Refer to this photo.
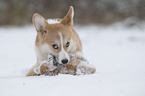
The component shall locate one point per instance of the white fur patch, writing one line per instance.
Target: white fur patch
(52, 21)
(61, 40)
(42, 52)
(62, 54)
(46, 48)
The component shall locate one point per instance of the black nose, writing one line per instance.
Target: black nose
(64, 61)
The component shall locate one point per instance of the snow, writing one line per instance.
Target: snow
(117, 52)
(52, 21)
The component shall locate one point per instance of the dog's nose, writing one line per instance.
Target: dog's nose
(64, 61)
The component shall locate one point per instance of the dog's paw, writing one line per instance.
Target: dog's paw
(85, 68)
(47, 66)
(48, 69)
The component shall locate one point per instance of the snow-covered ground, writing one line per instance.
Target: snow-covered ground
(118, 53)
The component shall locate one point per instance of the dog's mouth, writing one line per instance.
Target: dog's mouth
(56, 61)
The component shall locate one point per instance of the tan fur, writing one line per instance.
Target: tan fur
(32, 73)
(49, 35)
(70, 68)
(52, 35)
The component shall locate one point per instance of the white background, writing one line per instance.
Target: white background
(117, 52)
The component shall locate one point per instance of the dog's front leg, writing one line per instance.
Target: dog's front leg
(47, 67)
(83, 66)
(32, 71)
(44, 68)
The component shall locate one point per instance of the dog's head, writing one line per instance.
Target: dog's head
(55, 38)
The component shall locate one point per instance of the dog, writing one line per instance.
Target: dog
(57, 36)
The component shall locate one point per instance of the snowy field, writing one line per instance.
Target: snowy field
(118, 53)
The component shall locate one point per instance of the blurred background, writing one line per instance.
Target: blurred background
(19, 12)
(113, 38)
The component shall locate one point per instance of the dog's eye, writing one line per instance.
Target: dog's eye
(55, 46)
(67, 44)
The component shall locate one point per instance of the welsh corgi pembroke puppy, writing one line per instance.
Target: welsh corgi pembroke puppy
(56, 36)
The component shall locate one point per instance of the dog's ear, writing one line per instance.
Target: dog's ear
(68, 19)
(40, 23)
